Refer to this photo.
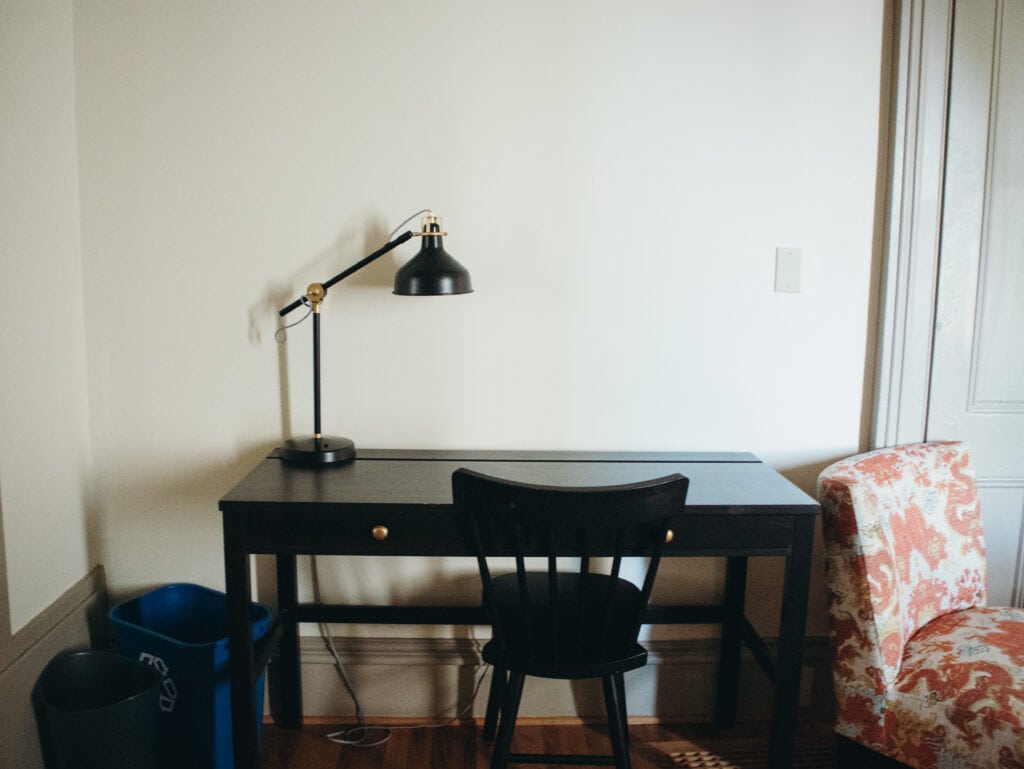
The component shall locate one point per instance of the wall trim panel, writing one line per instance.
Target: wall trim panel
(75, 600)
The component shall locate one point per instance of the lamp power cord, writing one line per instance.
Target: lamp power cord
(364, 734)
(281, 335)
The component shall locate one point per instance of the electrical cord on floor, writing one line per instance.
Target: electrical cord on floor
(363, 734)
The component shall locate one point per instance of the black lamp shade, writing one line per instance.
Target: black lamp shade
(433, 271)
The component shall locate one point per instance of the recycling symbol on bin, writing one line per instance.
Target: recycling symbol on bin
(170, 693)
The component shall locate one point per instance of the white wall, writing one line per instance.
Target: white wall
(44, 441)
(615, 175)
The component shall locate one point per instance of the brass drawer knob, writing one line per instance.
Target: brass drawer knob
(669, 536)
(380, 533)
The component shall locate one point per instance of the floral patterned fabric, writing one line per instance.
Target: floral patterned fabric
(923, 672)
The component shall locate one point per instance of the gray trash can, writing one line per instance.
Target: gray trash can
(98, 710)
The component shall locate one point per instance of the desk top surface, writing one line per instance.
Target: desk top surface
(721, 482)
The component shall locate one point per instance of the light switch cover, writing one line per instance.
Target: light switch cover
(787, 269)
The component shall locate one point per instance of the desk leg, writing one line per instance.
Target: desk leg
(792, 625)
(240, 651)
(285, 673)
(729, 648)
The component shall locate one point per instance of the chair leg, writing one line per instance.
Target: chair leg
(620, 682)
(498, 681)
(618, 728)
(507, 724)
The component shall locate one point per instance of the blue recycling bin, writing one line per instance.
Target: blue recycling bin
(181, 631)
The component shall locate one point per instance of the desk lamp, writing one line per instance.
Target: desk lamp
(432, 272)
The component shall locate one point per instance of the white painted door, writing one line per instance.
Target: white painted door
(977, 379)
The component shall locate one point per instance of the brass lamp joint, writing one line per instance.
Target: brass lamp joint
(315, 294)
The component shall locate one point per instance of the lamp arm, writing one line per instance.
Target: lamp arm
(354, 268)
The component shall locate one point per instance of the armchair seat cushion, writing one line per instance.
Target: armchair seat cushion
(958, 700)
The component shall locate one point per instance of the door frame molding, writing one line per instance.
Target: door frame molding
(917, 129)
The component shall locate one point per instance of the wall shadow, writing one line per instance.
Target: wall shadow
(350, 246)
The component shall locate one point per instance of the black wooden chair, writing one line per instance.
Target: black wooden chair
(582, 623)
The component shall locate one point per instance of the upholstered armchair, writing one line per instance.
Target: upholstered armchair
(924, 672)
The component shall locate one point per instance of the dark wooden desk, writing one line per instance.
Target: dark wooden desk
(737, 507)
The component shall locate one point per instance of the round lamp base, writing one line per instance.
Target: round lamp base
(325, 450)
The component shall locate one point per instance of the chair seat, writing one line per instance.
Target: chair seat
(959, 698)
(532, 646)
(627, 659)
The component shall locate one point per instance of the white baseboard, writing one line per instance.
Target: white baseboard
(436, 677)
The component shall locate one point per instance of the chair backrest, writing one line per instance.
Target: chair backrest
(568, 607)
(904, 544)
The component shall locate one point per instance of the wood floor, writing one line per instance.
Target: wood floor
(459, 746)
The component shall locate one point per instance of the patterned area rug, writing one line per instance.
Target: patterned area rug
(737, 755)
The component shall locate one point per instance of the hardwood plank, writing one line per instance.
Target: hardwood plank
(308, 748)
(460, 746)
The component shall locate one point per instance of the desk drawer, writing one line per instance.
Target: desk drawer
(755, 535)
(353, 531)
